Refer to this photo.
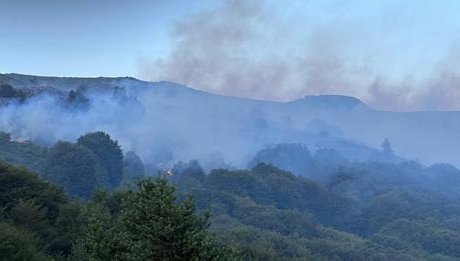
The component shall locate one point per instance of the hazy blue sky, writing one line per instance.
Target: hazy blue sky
(84, 37)
(388, 52)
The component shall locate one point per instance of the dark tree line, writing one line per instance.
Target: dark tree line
(95, 160)
(39, 222)
(90, 207)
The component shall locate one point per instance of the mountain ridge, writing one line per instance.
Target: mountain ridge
(27, 81)
(152, 116)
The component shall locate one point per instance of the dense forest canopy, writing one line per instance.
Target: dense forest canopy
(90, 201)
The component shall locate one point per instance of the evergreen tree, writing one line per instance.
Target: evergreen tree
(77, 99)
(163, 229)
(152, 225)
(105, 239)
(386, 147)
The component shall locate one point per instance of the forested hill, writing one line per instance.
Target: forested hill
(319, 178)
(84, 205)
(166, 122)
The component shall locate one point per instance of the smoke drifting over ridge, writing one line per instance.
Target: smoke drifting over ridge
(278, 50)
(237, 50)
(164, 122)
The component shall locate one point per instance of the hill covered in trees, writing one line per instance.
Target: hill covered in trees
(39, 222)
(84, 204)
(94, 161)
(372, 211)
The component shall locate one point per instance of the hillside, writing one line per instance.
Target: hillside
(360, 211)
(173, 122)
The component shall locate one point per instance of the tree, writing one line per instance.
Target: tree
(153, 225)
(188, 176)
(4, 137)
(105, 238)
(31, 207)
(18, 184)
(18, 244)
(164, 229)
(133, 168)
(76, 168)
(77, 99)
(7, 91)
(386, 147)
(29, 215)
(108, 152)
(295, 158)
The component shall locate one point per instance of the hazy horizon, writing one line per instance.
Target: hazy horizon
(393, 55)
(215, 93)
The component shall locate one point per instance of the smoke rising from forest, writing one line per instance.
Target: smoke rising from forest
(165, 122)
(251, 49)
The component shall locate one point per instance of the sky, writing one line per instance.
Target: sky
(394, 55)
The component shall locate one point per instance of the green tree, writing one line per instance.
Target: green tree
(18, 244)
(153, 225)
(76, 168)
(133, 168)
(164, 229)
(69, 227)
(18, 184)
(29, 215)
(105, 238)
(31, 207)
(108, 153)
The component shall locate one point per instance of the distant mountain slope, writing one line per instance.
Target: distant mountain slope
(165, 121)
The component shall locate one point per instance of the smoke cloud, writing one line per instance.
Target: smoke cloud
(162, 122)
(282, 50)
(240, 49)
